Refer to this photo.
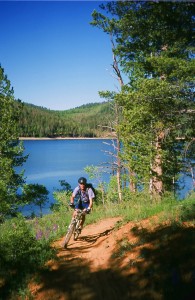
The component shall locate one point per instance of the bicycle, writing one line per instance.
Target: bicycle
(74, 227)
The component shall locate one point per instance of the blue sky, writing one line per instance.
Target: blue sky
(51, 54)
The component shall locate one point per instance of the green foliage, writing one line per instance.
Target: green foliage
(11, 150)
(151, 110)
(112, 192)
(21, 253)
(16, 243)
(84, 121)
(157, 104)
(142, 28)
(65, 186)
(62, 197)
(95, 173)
(36, 194)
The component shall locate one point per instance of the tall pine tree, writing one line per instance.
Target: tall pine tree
(155, 47)
(11, 150)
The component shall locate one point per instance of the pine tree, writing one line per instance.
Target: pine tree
(154, 44)
(11, 150)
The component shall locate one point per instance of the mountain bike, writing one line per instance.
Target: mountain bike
(74, 227)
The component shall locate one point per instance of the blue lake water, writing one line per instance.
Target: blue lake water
(52, 160)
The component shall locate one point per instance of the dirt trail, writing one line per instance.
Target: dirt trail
(113, 263)
(77, 271)
(92, 243)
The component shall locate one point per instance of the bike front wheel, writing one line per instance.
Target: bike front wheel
(77, 231)
(69, 234)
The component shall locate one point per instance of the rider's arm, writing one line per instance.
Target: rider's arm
(72, 198)
(91, 196)
(90, 203)
(74, 194)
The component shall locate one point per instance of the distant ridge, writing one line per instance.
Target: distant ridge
(88, 120)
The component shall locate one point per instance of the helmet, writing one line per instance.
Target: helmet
(82, 180)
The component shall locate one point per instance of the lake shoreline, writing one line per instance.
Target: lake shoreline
(64, 138)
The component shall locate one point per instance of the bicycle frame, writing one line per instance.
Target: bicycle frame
(74, 227)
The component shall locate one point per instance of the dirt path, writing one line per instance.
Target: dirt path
(92, 243)
(106, 262)
(76, 273)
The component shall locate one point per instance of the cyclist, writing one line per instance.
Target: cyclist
(85, 201)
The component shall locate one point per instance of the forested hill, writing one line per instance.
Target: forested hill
(90, 120)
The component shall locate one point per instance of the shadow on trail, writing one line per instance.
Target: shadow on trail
(159, 265)
(164, 262)
(162, 269)
(86, 241)
(76, 281)
(94, 237)
(73, 278)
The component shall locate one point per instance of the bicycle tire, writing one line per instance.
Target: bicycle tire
(69, 234)
(77, 231)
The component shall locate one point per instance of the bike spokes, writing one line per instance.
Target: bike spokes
(74, 227)
(77, 230)
(69, 233)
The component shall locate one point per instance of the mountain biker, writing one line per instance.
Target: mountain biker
(86, 196)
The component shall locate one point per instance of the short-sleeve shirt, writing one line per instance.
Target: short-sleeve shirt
(84, 195)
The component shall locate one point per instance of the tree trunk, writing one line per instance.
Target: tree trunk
(156, 183)
(118, 172)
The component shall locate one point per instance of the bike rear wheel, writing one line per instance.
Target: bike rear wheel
(69, 234)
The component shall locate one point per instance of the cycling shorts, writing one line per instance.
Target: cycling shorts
(82, 205)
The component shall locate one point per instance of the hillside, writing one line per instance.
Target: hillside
(90, 120)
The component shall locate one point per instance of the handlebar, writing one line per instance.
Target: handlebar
(87, 211)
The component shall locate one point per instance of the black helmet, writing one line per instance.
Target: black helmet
(82, 180)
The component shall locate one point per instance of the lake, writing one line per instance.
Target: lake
(52, 160)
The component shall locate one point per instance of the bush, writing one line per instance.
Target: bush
(21, 253)
(62, 199)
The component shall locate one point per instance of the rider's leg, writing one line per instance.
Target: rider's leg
(77, 206)
(83, 221)
(85, 205)
(74, 213)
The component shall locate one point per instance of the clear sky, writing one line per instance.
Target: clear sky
(51, 54)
